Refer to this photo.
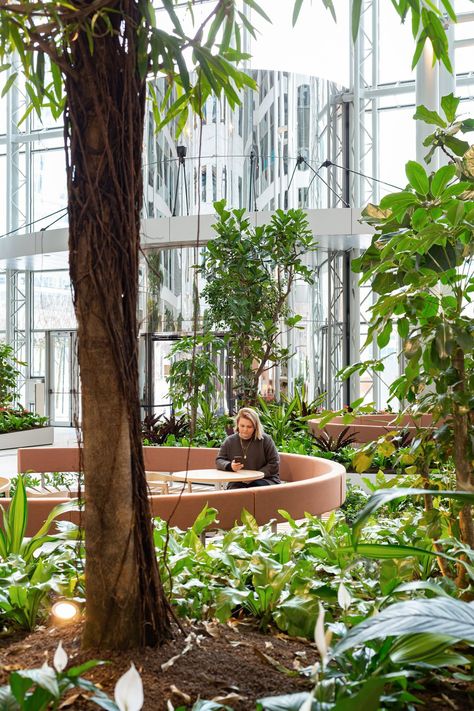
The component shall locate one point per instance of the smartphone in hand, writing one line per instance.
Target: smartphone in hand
(238, 460)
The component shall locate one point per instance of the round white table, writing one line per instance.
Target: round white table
(218, 477)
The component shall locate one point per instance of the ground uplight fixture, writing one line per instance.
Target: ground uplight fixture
(65, 611)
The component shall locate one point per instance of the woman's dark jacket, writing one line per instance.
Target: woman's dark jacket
(261, 455)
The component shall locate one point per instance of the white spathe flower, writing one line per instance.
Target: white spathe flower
(129, 691)
(308, 704)
(322, 638)
(60, 658)
(344, 598)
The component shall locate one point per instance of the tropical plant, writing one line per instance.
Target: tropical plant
(18, 419)
(327, 443)
(354, 503)
(9, 374)
(25, 589)
(194, 374)
(249, 274)
(12, 532)
(419, 265)
(45, 688)
(288, 417)
(157, 428)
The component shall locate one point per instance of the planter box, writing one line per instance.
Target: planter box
(36, 437)
(356, 479)
(368, 428)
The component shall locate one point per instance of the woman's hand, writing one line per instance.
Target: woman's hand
(236, 466)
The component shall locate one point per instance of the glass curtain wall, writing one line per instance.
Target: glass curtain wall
(383, 134)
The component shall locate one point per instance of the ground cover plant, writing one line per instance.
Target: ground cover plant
(285, 581)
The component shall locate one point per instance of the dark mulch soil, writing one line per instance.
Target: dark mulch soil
(234, 664)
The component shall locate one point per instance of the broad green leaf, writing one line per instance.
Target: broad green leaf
(205, 705)
(383, 338)
(205, 518)
(457, 146)
(387, 551)
(8, 84)
(450, 104)
(367, 698)
(18, 516)
(44, 677)
(419, 647)
(425, 585)
(383, 496)
(441, 178)
(297, 615)
(447, 616)
(403, 327)
(428, 116)
(398, 201)
(417, 177)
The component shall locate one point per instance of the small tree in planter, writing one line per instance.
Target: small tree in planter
(249, 273)
(419, 264)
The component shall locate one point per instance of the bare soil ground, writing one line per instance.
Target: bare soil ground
(235, 664)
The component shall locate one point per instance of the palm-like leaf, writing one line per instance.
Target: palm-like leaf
(450, 617)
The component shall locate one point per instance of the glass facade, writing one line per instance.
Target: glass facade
(268, 153)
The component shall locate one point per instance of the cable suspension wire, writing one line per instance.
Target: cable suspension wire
(301, 159)
(329, 163)
(298, 159)
(33, 222)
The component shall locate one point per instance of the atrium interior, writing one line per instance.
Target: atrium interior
(328, 142)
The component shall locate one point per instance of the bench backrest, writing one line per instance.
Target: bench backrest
(48, 459)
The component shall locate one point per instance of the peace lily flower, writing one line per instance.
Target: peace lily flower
(344, 598)
(308, 704)
(129, 691)
(322, 639)
(60, 658)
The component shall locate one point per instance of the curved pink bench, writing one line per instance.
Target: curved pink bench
(312, 485)
(368, 428)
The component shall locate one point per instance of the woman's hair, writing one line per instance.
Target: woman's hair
(254, 418)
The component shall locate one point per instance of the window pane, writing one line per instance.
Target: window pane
(52, 304)
(394, 153)
(49, 187)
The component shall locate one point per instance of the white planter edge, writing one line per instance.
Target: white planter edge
(36, 437)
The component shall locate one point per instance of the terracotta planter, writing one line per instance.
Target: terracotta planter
(368, 428)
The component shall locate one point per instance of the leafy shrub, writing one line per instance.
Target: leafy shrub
(157, 428)
(355, 501)
(327, 443)
(12, 533)
(24, 590)
(18, 419)
(41, 689)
